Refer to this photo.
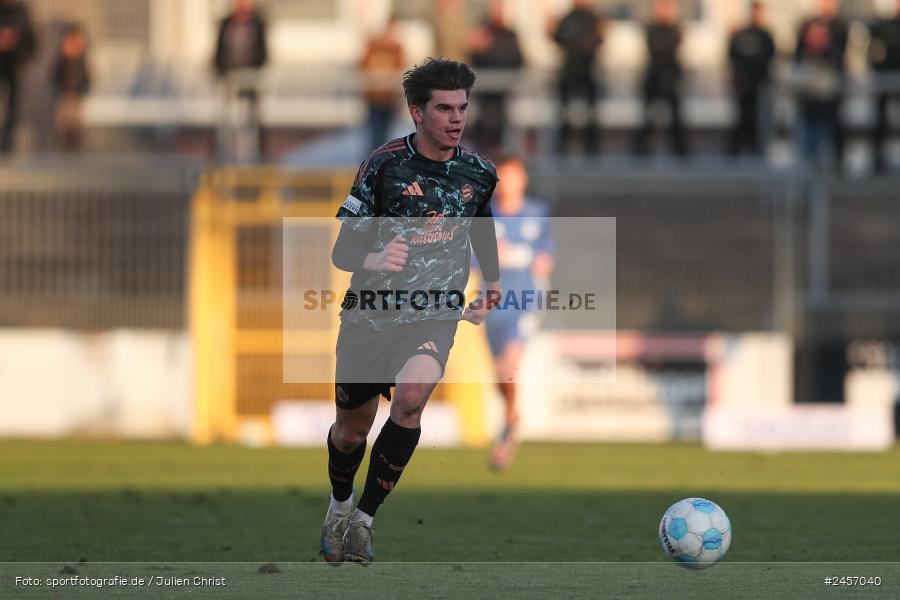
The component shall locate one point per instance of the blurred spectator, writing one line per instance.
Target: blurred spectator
(884, 54)
(70, 81)
(821, 45)
(579, 35)
(493, 46)
(17, 45)
(381, 65)
(241, 43)
(750, 52)
(662, 81)
(451, 28)
(241, 50)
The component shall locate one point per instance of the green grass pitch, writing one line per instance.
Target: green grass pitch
(565, 521)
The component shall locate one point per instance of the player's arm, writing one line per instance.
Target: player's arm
(542, 264)
(350, 249)
(352, 252)
(353, 249)
(484, 243)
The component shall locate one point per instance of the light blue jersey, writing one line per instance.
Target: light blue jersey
(522, 236)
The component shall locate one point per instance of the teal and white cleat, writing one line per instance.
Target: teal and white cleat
(358, 543)
(333, 530)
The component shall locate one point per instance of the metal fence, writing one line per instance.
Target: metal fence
(90, 246)
(806, 253)
(94, 246)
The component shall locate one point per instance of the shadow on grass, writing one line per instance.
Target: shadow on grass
(223, 525)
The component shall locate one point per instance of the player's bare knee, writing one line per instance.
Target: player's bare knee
(407, 409)
(410, 411)
(410, 405)
(348, 437)
(412, 393)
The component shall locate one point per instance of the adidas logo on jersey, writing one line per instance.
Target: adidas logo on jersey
(428, 346)
(413, 190)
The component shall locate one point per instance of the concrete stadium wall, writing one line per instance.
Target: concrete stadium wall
(122, 383)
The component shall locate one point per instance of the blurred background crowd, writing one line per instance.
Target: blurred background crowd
(800, 82)
(747, 150)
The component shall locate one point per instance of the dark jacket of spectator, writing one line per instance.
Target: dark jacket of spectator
(502, 51)
(578, 35)
(241, 43)
(821, 46)
(663, 66)
(751, 52)
(70, 75)
(884, 56)
(17, 41)
(884, 50)
(823, 40)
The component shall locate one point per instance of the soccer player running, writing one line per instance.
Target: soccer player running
(526, 262)
(425, 179)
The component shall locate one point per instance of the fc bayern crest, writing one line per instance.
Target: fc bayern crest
(468, 192)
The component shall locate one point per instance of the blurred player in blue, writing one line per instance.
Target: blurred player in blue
(525, 250)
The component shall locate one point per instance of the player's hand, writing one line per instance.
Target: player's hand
(392, 258)
(477, 310)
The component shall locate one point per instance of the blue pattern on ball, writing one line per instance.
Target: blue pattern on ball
(704, 506)
(712, 539)
(685, 558)
(677, 528)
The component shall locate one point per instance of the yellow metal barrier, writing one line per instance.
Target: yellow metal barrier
(236, 306)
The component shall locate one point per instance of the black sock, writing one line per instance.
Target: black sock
(342, 468)
(390, 453)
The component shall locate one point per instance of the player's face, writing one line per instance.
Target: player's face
(444, 118)
(512, 180)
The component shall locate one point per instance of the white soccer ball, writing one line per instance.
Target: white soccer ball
(695, 533)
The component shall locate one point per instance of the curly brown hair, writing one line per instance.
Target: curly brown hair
(436, 74)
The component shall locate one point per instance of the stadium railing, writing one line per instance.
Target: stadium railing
(93, 247)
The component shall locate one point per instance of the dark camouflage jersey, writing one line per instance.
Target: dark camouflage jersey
(431, 204)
